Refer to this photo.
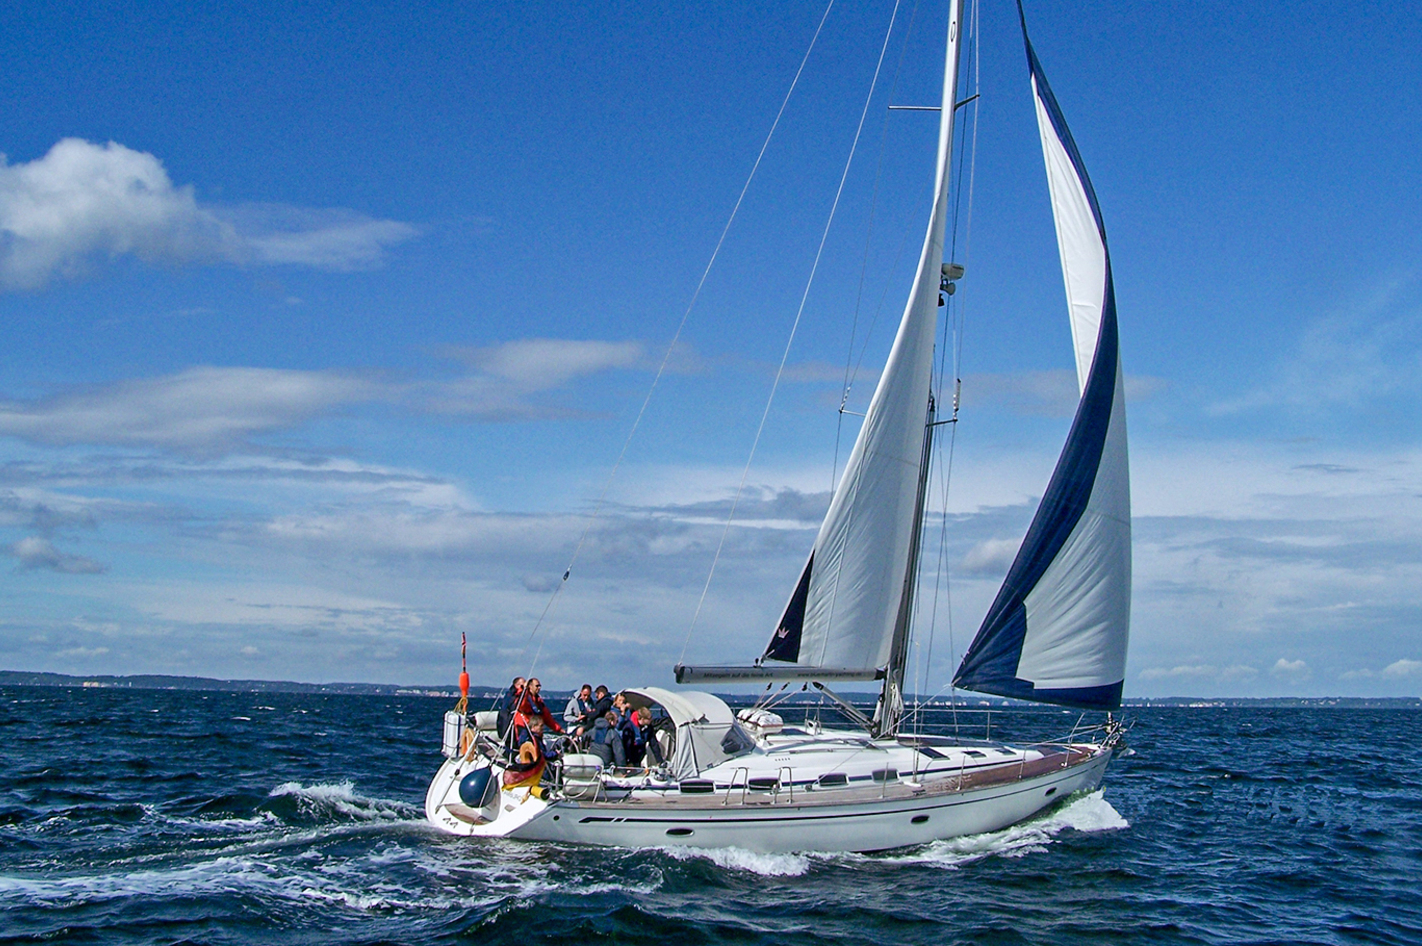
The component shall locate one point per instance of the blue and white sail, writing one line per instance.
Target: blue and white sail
(1057, 631)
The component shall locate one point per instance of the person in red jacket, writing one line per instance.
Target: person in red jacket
(531, 704)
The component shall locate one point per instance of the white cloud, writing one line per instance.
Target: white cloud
(991, 556)
(34, 552)
(84, 653)
(507, 376)
(321, 238)
(200, 408)
(206, 409)
(540, 363)
(1291, 669)
(84, 202)
(1184, 670)
(1239, 672)
(1404, 668)
(1234, 673)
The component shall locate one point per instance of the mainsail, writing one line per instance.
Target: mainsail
(849, 609)
(1057, 631)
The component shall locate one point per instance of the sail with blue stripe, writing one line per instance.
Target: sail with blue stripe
(1057, 631)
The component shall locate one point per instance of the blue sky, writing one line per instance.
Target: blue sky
(326, 324)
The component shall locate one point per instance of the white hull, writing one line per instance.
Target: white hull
(889, 814)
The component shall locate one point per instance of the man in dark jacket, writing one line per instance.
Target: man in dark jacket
(602, 702)
(507, 707)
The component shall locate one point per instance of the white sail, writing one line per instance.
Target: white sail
(843, 614)
(1058, 629)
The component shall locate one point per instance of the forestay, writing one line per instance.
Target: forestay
(1057, 631)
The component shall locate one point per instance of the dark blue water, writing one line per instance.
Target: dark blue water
(174, 817)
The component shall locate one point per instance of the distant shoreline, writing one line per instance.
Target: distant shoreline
(155, 681)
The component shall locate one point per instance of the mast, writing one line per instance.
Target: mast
(891, 696)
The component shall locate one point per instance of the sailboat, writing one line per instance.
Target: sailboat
(1056, 632)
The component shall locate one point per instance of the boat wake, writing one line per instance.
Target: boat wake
(336, 801)
(1087, 813)
(733, 858)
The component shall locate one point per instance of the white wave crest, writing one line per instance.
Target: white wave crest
(341, 798)
(1090, 814)
(262, 819)
(734, 858)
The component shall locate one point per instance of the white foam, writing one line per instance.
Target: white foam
(355, 883)
(734, 858)
(341, 798)
(1090, 814)
(262, 819)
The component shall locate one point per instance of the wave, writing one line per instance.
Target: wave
(734, 858)
(339, 799)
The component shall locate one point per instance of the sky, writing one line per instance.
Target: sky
(326, 326)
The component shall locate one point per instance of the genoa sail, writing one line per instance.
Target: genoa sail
(855, 580)
(1057, 631)
(846, 612)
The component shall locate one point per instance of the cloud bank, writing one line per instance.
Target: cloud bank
(209, 409)
(83, 203)
(202, 408)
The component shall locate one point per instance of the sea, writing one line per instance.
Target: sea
(165, 817)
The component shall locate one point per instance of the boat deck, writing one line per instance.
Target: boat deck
(1053, 758)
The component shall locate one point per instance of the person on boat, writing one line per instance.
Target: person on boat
(507, 707)
(608, 743)
(595, 717)
(634, 734)
(579, 706)
(531, 706)
(527, 768)
(654, 755)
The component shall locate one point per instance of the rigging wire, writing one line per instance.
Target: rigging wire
(676, 337)
(850, 374)
(789, 342)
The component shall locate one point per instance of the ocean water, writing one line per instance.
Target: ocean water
(130, 816)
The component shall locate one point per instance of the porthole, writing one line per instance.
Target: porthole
(679, 832)
(920, 819)
(1051, 791)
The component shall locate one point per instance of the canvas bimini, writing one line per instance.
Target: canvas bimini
(1056, 632)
